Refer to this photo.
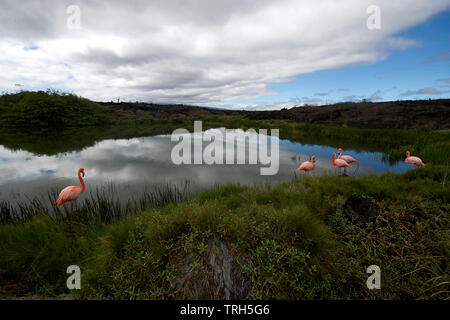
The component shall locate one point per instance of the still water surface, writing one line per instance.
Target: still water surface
(131, 165)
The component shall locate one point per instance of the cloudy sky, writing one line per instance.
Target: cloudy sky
(264, 54)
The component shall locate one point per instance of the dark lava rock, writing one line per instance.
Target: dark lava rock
(220, 275)
(361, 209)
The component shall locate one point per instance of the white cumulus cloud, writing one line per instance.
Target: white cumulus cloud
(196, 52)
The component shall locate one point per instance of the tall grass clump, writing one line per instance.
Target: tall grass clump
(100, 206)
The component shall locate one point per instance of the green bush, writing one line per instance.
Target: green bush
(49, 109)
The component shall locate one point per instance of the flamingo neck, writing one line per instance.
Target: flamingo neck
(81, 180)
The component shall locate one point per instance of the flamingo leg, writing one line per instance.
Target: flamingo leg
(357, 168)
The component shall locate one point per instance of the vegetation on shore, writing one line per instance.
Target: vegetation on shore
(49, 109)
(53, 109)
(296, 240)
(309, 238)
(430, 145)
(41, 115)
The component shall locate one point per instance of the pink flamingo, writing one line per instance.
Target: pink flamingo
(72, 192)
(413, 160)
(339, 162)
(308, 165)
(346, 158)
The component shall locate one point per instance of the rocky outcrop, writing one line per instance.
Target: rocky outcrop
(219, 275)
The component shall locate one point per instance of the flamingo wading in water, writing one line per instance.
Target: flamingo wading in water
(72, 192)
(346, 158)
(340, 163)
(308, 165)
(413, 160)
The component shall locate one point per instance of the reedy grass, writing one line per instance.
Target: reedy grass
(100, 206)
(291, 241)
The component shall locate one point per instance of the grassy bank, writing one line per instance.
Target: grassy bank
(310, 238)
(297, 240)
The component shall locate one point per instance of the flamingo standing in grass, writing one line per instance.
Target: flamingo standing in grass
(413, 160)
(346, 158)
(308, 165)
(72, 192)
(340, 163)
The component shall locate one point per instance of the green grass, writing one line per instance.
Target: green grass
(289, 241)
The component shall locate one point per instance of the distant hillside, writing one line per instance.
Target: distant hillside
(423, 114)
(419, 114)
(163, 111)
(51, 109)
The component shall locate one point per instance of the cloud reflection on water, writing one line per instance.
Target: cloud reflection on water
(139, 161)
